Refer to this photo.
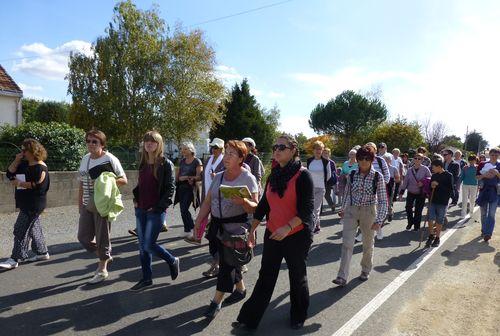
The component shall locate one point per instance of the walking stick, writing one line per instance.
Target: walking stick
(426, 218)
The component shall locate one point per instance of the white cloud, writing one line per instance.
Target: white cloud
(228, 75)
(296, 124)
(273, 94)
(47, 63)
(256, 92)
(30, 88)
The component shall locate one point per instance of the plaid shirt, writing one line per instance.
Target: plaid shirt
(362, 194)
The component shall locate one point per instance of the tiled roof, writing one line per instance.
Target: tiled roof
(7, 83)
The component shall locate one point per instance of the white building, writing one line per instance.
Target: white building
(10, 100)
(201, 146)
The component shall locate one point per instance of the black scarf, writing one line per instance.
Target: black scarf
(280, 176)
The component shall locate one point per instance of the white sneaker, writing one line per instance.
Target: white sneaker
(38, 257)
(9, 264)
(380, 234)
(359, 237)
(186, 234)
(98, 277)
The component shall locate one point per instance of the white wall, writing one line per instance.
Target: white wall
(8, 110)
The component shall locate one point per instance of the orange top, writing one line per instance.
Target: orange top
(282, 210)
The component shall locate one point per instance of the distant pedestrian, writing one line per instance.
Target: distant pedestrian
(29, 174)
(489, 173)
(393, 181)
(288, 202)
(442, 185)
(253, 161)
(398, 163)
(348, 166)
(469, 187)
(364, 205)
(186, 192)
(331, 184)
(94, 230)
(415, 197)
(454, 168)
(321, 172)
(228, 217)
(152, 196)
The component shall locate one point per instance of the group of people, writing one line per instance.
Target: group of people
(289, 203)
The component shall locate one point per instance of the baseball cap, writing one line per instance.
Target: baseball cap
(216, 142)
(249, 140)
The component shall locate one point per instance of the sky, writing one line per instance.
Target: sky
(436, 60)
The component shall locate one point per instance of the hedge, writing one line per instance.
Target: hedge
(64, 143)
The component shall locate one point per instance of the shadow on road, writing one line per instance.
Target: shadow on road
(467, 251)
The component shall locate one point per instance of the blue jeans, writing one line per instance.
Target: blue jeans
(488, 217)
(149, 224)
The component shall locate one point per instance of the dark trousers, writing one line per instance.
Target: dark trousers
(27, 228)
(396, 192)
(329, 199)
(294, 249)
(416, 201)
(228, 275)
(185, 200)
(213, 241)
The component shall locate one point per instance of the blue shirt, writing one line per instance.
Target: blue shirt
(469, 175)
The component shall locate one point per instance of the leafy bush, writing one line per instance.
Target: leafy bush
(64, 143)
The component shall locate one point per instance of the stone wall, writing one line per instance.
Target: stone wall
(63, 190)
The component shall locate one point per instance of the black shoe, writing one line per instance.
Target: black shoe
(429, 241)
(416, 228)
(212, 310)
(436, 242)
(389, 218)
(235, 296)
(141, 285)
(242, 326)
(175, 269)
(453, 204)
(133, 232)
(297, 325)
(408, 227)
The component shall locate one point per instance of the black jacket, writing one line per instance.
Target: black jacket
(166, 185)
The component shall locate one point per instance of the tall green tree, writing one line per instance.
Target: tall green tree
(29, 109)
(245, 118)
(54, 111)
(399, 133)
(141, 77)
(301, 142)
(347, 115)
(474, 142)
(453, 141)
(191, 92)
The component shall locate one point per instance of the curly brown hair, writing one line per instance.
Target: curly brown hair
(35, 148)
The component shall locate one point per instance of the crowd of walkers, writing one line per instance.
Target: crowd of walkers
(289, 203)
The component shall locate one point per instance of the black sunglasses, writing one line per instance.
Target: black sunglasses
(364, 158)
(94, 142)
(280, 147)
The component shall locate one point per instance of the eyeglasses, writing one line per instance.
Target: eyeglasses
(445, 154)
(417, 158)
(280, 147)
(215, 147)
(365, 158)
(94, 142)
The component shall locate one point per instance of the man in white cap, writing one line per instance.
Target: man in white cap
(252, 160)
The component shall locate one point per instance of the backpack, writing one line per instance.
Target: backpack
(375, 180)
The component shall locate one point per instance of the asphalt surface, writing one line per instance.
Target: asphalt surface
(51, 297)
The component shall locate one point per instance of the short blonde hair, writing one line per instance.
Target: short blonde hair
(189, 145)
(328, 150)
(318, 144)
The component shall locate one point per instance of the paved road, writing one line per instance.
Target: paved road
(51, 297)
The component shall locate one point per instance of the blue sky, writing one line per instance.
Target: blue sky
(436, 60)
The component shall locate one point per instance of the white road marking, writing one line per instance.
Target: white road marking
(361, 316)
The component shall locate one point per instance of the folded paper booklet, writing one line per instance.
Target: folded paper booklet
(22, 178)
(230, 191)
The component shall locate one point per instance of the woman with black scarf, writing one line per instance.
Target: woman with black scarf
(288, 202)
